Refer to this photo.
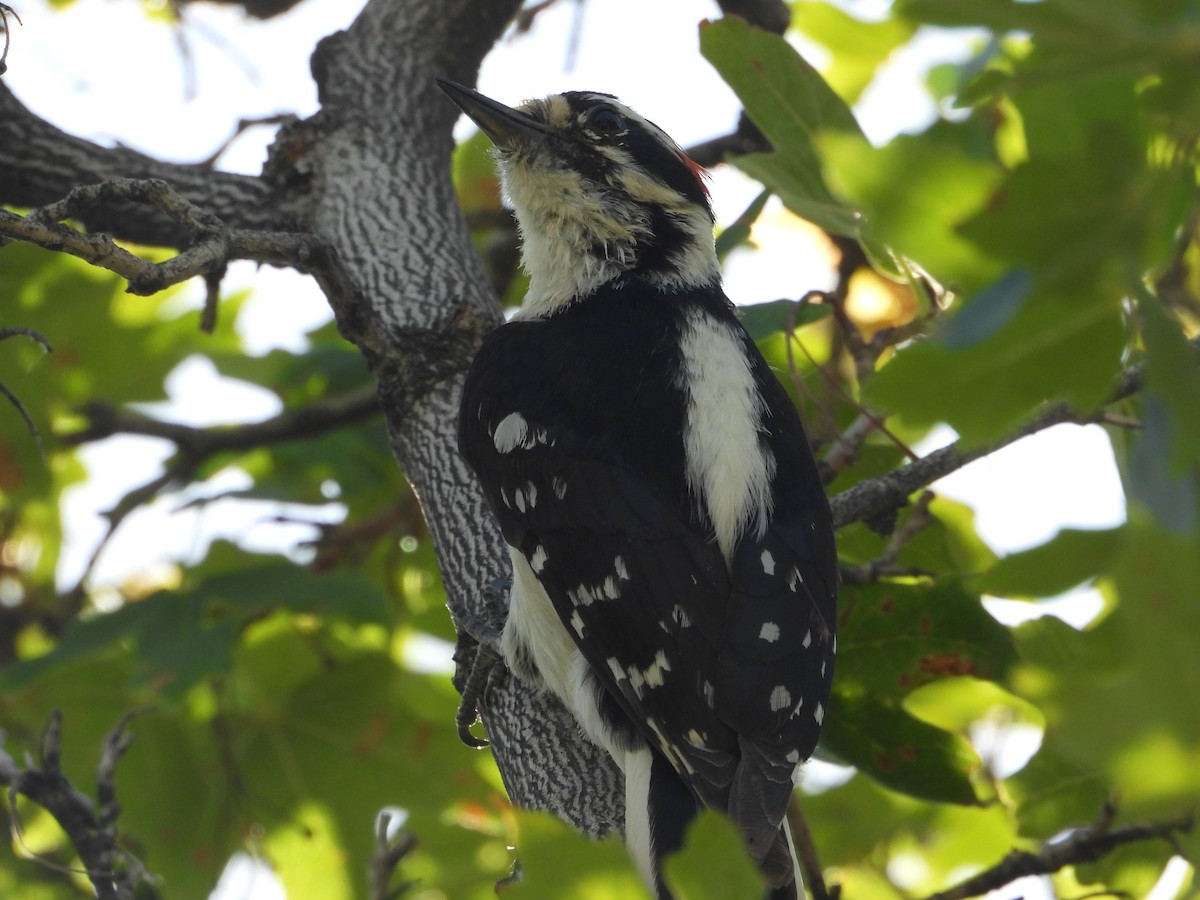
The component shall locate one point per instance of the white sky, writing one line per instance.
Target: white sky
(101, 70)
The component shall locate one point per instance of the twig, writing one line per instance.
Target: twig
(114, 872)
(196, 445)
(5, 12)
(1080, 846)
(213, 244)
(884, 564)
(326, 414)
(386, 857)
(12, 398)
(244, 125)
(806, 850)
(877, 496)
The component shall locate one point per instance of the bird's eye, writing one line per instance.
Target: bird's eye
(607, 122)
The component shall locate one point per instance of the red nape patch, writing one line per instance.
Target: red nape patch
(699, 171)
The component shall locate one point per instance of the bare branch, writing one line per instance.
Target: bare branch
(196, 445)
(212, 244)
(1080, 846)
(5, 12)
(882, 495)
(39, 163)
(326, 414)
(387, 855)
(114, 872)
(12, 398)
(885, 564)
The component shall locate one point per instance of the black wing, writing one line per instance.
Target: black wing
(695, 657)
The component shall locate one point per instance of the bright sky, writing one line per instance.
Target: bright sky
(100, 69)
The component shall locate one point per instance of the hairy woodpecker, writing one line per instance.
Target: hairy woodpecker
(674, 569)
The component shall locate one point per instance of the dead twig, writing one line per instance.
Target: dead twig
(114, 872)
(388, 853)
(868, 500)
(884, 565)
(5, 12)
(12, 398)
(213, 244)
(197, 445)
(1082, 845)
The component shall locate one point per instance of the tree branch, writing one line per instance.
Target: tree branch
(1081, 846)
(389, 852)
(40, 163)
(212, 245)
(114, 872)
(318, 417)
(196, 445)
(884, 494)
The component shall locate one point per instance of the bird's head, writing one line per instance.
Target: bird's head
(599, 192)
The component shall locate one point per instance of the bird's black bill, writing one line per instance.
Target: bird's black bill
(503, 124)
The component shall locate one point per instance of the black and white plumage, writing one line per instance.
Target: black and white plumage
(674, 569)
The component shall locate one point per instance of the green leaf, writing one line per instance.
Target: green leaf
(1058, 346)
(858, 48)
(1173, 376)
(790, 101)
(986, 313)
(893, 638)
(557, 861)
(181, 637)
(335, 748)
(898, 750)
(917, 190)
(799, 184)
(1070, 558)
(765, 319)
(1172, 497)
(1052, 794)
(713, 862)
(785, 96)
(1115, 696)
(738, 231)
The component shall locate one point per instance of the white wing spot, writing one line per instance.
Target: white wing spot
(793, 756)
(709, 694)
(819, 714)
(799, 706)
(614, 666)
(807, 642)
(531, 493)
(519, 498)
(769, 632)
(768, 563)
(537, 562)
(620, 569)
(611, 591)
(780, 697)
(560, 486)
(654, 674)
(794, 579)
(695, 738)
(510, 433)
(577, 623)
(679, 614)
(636, 680)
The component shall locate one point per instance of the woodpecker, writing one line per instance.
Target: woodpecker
(674, 574)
